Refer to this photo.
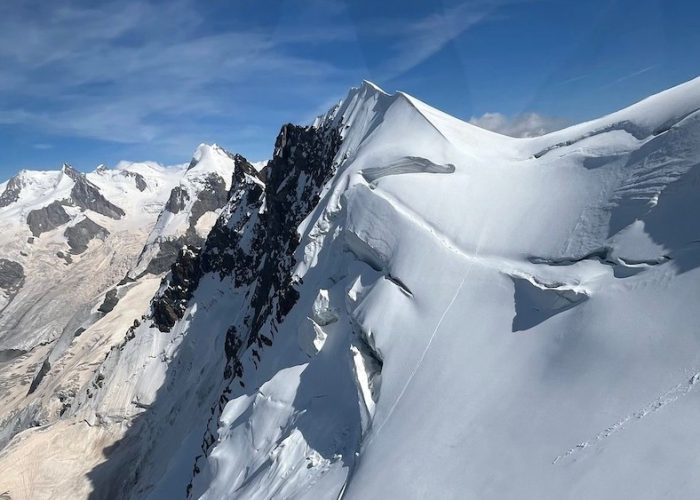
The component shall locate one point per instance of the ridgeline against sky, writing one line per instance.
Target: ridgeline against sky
(97, 82)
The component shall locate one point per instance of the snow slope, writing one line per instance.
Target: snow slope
(402, 305)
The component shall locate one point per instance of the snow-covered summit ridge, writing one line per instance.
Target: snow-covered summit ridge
(650, 116)
(449, 254)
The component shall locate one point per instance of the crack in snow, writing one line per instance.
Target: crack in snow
(420, 360)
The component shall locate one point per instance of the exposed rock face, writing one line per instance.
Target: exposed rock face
(188, 266)
(47, 218)
(82, 233)
(11, 276)
(88, 197)
(224, 254)
(11, 193)
(212, 197)
(64, 256)
(178, 199)
(167, 254)
(251, 247)
(303, 162)
(110, 301)
(139, 179)
(301, 165)
(182, 281)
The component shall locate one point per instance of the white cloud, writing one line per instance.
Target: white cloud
(523, 125)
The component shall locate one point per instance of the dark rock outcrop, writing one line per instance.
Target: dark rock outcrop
(11, 275)
(80, 234)
(211, 198)
(301, 165)
(184, 276)
(110, 301)
(251, 247)
(139, 179)
(88, 196)
(64, 256)
(168, 250)
(45, 367)
(224, 253)
(177, 200)
(12, 191)
(47, 218)
(11, 278)
(303, 162)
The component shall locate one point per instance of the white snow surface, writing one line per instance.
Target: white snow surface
(479, 316)
(534, 315)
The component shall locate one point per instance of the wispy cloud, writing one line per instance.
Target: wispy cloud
(630, 76)
(144, 71)
(524, 125)
(421, 39)
(572, 80)
(161, 76)
(416, 40)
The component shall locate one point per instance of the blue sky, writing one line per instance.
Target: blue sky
(93, 82)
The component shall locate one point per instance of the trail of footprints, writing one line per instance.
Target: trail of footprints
(666, 398)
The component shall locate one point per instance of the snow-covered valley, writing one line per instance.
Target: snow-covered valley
(397, 305)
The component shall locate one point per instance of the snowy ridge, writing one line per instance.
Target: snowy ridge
(652, 116)
(402, 305)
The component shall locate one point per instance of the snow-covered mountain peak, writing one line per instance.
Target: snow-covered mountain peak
(395, 283)
(365, 93)
(210, 158)
(29, 186)
(191, 210)
(368, 110)
(373, 87)
(647, 118)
